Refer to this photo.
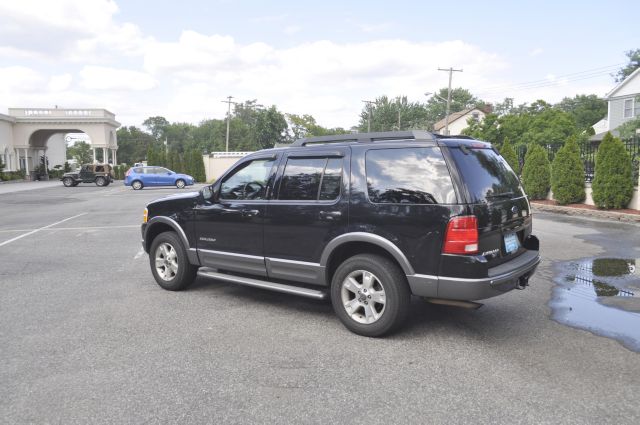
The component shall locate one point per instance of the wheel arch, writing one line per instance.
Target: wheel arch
(161, 224)
(349, 244)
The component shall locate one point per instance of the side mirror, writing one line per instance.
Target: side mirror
(207, 193)
(169, 173)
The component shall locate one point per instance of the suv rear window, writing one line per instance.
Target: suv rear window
(408, 176)
(486, 174)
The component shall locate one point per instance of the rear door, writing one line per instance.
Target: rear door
(496, 198)
(310, 207)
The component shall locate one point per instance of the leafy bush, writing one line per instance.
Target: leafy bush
(613, 181)
(197, 164)
(567, 174)
(536, 173)
(509, 154)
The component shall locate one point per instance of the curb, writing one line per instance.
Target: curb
(583, 212)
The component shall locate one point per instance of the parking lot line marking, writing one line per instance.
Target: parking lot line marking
(139, 254)
(128, 226)
(41, 228)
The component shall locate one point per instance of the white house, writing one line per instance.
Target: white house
(623, 104)
(458, 121)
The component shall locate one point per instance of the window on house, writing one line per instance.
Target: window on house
(476, 116)
(636, 109)
(628, 108)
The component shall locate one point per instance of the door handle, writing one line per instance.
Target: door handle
(250, 213)
(330, 215)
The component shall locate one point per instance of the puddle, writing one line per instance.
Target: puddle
(584, 286)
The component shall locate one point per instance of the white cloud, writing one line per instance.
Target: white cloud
(59, 83)
(105, 78)
(292, 29)
(20, 79)
(535, 52)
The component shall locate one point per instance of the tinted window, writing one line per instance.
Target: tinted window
(301, 179)
(99, 168)
(486, 174)
(330, 186)
(137, 170)
(249, 182)
(408, 175)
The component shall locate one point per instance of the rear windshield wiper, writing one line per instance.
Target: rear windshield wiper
(500, 195)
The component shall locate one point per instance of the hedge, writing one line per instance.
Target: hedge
(509, 154)
(567, 174)
(613, 182)
(536, 173)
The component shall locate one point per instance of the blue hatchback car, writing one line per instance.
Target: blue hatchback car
(139, 177)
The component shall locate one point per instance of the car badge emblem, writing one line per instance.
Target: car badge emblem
(514, 209)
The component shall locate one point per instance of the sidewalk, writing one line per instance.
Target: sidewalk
(22, 186)
(587, 211)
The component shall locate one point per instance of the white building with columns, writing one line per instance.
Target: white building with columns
(26, 134)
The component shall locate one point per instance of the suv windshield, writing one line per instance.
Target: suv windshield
(486, 174)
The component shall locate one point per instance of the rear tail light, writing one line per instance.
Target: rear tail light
(461, 236)
(128, 172)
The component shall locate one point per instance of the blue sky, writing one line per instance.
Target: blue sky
(179, 59)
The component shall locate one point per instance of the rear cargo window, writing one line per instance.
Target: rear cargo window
(486, 174)
(408, 176)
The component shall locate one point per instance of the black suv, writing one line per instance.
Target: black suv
(365, 219)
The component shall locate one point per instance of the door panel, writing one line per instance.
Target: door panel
(310, 209)
(230, 229)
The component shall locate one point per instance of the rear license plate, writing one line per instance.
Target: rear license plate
(511, 243)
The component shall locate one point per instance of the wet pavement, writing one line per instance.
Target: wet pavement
(582, 288)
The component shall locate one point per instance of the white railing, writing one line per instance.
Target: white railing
(60, 112)
(229, 154)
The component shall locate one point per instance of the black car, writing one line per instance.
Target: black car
(365, 219)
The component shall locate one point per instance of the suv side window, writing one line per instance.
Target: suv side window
(311, 179)
(249, 182)
(408, 176)
(99, 168)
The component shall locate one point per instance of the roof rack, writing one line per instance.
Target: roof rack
(367, 137)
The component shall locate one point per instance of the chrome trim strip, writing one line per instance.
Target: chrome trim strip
(371, 238)
(231, 254)
(263, 284)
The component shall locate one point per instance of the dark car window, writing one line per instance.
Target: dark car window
(331, 180)
(249, 182)
(408, 176)
(303, 179)
(486, 174)
(137, 170)
(99, 168)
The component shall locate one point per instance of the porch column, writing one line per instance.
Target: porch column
(17, 159)
(113, 155)
(26, 161)
(94, 155)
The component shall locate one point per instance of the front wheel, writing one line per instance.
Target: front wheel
(101, 181)
(169, 262)
(180, 184)
(68, 182)
(370, 295)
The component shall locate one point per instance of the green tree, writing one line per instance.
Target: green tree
(197, 166)
(156, 126)
(133, 144)
(301, 126)
(270, 128)
(567, 174)
(632, 65)
(536, 172)
(81, 151)
(394, 114)
(586, 110)
(613, 181)
(461, 99)
(509, 154)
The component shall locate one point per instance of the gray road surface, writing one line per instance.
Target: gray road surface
(86, 336)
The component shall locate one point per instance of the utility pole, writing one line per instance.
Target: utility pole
(229, 102)
(450, 70)
(369, 102)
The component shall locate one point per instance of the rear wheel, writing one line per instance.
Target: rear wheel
(169, 262)
(137, 185)
(370, 295)
(180, 184)
(68, 182)
(101, 181)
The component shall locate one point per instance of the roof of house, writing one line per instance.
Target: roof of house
(453, 117)
(622, 83)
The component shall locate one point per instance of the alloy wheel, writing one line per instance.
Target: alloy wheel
(166, 261)
(363, 296)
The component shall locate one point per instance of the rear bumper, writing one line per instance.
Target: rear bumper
(501, 279)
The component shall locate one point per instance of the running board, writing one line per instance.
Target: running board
(263, 284)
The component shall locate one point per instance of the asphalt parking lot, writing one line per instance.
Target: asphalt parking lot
(86, 336)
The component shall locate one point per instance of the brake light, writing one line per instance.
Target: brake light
(461, 236)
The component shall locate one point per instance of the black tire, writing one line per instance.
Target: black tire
(391, 280)
(68, 182)
(180, 184)
(186, 272)
(137, 185)
(101, 181)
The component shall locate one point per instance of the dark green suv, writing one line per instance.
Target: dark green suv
(100, 174)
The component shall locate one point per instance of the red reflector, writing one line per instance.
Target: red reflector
(461, 236)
